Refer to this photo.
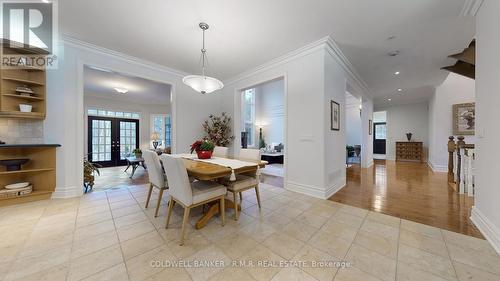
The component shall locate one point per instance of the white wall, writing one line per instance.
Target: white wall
(353, 120)
(367, 139)
(402, 119)
(455, 89)
(270, 110)
(379, 117)
(486, 213)
(64, 123)
(145, 110)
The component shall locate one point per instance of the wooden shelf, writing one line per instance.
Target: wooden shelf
(24, 97)
(27, 171)
(33, 196)
(19, 114)
(28, 82)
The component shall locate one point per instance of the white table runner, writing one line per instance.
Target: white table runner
(233, 164)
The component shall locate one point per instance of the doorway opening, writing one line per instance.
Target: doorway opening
(125, 115)
(353, 130)
(379, 134)
(263, 126)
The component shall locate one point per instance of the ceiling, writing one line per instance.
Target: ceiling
(101, 83)
(246, 34)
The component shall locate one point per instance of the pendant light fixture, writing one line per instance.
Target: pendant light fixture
(202, 83)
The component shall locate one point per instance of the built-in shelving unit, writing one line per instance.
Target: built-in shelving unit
(13, 76)
(40, 171)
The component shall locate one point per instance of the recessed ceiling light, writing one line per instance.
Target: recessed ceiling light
(121, 90)
(391, 37)
(400, 90)
(393, 53)
(389, 99)
(396, 73)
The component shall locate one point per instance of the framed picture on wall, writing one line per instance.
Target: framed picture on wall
(370, 127)
(334, 116)
(464, 119)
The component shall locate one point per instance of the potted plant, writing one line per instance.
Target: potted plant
(89, 171)
(203, 148)
(138, 153)
(218, 129)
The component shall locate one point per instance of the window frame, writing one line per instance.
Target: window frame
(252, 134)
(164, 138)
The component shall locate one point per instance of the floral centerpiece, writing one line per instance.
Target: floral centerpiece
(203, 148)
(218, 129)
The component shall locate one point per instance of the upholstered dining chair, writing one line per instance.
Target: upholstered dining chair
(220, 151)
(189, 194)
(156, 176)
(245, 182)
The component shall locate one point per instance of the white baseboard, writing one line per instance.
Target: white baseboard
(438, 168)
(67, 192)
(487, 228)
(313, 191)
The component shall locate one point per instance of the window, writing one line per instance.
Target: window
(249, 115)
(380, 131)
(162, 124)
(111, 113)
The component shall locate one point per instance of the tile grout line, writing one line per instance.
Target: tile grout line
(352, 243)
(397, 250)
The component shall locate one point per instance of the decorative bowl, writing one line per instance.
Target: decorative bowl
(17, 185)
(25, 107)
(204, 154)
(13, 164)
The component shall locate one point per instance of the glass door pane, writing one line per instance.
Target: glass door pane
(128, 138)
(101, 140)
(380, 131)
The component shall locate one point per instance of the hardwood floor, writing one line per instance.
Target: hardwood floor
(410, 191)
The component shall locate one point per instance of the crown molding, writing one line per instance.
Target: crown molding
(324, 43)
(356, 82)
(470, 8)
(303, 51)
(77, 43)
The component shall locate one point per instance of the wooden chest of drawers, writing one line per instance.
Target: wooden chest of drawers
(409, 151)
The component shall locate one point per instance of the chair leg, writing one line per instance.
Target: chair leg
(257, 193)
(241, 196)
(235, 201)
(149, 194)
(223, 209)
(159, 202)
(171, 203)
(185, 221)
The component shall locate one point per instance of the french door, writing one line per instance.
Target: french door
(110, 140)
(379, 137)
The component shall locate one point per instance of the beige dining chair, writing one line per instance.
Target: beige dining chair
(220, 151)
(155, 175)
(189, 194)
(245, 182)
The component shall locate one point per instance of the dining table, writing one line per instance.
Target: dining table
(213, 172)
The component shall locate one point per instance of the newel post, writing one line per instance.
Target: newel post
(451, 150)
(460, 144)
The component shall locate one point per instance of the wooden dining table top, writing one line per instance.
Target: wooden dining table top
(208, 171)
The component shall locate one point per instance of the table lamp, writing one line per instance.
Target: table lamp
(155, 137)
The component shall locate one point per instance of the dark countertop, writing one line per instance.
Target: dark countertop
(14, 145)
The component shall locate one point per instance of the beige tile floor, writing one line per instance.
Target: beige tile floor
(108, 235)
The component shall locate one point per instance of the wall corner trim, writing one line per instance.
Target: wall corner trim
(314, 191)
(486, 227)
(470, 8)
(437, 168)
(63, 192)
